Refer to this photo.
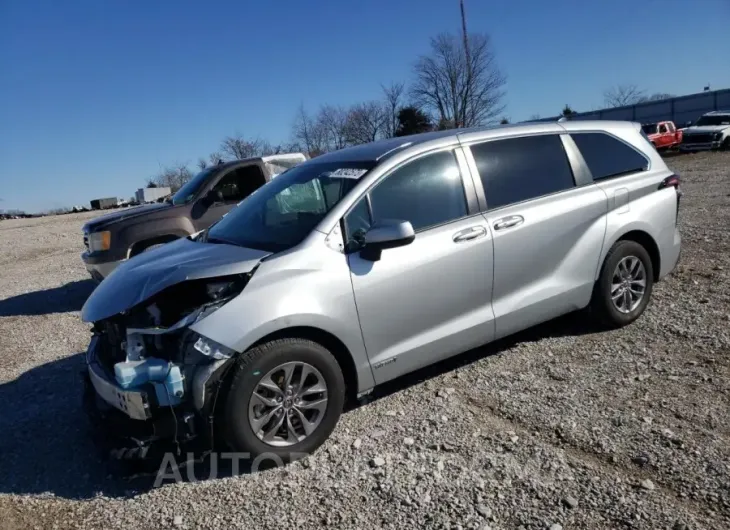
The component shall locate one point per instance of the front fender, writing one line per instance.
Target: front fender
(303, 288)
(153, 228)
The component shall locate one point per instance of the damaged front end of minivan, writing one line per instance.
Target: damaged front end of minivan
(151, 381)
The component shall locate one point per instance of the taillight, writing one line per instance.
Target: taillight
(672, 181)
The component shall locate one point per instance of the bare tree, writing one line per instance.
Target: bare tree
(285, 147)
(215, 158)
(535, 117)
(333, 121)
(173, 176)
(237, 147)
(392, 105)
(365, 123)
(659, 96)
(202, 163)
(622, 95)
(308, 132)
(460, 89)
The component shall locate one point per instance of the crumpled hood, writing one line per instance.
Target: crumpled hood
(706, 129)
(141, 277)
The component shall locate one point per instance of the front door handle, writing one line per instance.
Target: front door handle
(469, 234)
(508, 222)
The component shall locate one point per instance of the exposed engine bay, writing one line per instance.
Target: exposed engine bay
(146, 362)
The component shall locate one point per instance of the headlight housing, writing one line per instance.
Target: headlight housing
(99, 241)
(718, 136)
(212, 349)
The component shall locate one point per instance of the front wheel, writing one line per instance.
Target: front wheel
(624, 287)
(284, 399)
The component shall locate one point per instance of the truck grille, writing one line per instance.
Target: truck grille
(697, 138)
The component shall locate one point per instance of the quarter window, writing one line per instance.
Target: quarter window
(607, 156)
(520, 169)
(427, 192)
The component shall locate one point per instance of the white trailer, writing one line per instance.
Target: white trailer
(151, 194)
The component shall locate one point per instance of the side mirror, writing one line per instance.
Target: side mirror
(688, 124)
(390, 233)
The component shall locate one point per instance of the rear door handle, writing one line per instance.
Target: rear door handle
(469, 234)
(508, 222)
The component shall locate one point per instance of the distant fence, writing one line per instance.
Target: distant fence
(680, 110)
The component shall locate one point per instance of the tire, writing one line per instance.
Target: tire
(602, 304)
(142, 246)
(151, 247)
(251, 369)
(725, 144)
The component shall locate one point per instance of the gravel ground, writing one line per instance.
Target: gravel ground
(560, 427)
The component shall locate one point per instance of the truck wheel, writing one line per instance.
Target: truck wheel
(624, 287)
(284, 400)
(151, 247)
(144, 246)
(725, 144)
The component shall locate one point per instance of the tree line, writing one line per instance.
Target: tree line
(458, 83)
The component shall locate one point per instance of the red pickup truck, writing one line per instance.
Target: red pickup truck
(664, 135)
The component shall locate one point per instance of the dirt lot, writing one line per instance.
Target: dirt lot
(561, 427)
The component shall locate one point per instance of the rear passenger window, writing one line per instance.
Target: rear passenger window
(519, 169)
(607, 156)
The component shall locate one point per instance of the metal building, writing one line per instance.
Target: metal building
(680, 110)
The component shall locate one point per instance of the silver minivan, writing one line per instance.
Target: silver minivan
(364, 264)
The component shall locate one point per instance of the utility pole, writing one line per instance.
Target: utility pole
(468, 66)
(463, 27)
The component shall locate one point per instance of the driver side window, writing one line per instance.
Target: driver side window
(240, 183)
(427, 192)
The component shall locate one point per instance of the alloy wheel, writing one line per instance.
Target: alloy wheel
(628, 284)
(288, 404)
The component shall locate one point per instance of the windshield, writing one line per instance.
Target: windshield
(186, 194)
(649, 128)
(281, 213)
(713, 120)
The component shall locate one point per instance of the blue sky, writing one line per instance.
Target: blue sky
(95, 96)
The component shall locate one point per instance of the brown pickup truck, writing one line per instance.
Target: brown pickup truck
(113, 238)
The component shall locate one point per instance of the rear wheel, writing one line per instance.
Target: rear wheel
(284, 400)
(624, 287)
